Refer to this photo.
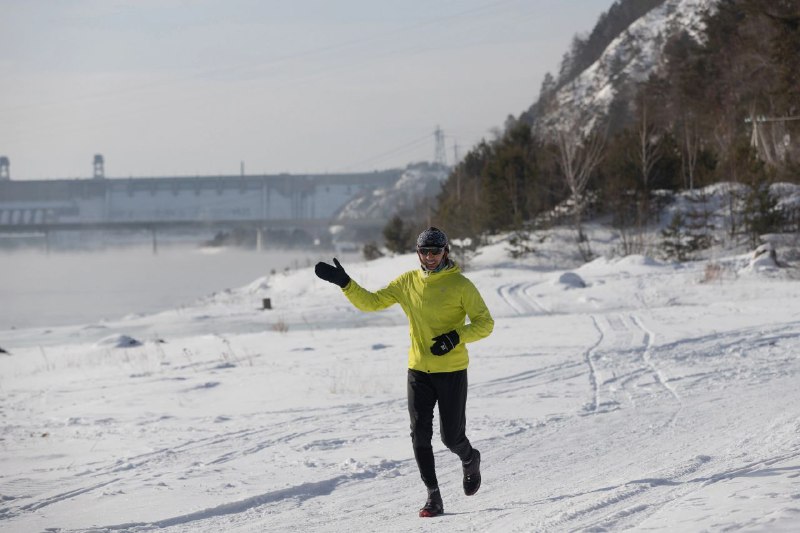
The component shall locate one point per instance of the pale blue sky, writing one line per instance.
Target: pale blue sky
(196, 87)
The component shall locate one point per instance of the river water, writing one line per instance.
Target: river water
(65, 288)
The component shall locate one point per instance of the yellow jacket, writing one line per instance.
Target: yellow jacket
(435, 303)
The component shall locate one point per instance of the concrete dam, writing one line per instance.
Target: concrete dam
(309, 202)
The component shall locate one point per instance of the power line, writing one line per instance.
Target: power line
(393, 151)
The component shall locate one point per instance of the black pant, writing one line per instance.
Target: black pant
(450, 390)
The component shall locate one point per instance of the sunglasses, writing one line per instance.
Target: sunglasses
(432, 250)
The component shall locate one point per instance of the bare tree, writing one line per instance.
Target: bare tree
(649, 147)
(579, 154)
(649, 151)
(690, 151)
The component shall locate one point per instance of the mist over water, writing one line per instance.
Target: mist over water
(66, 288)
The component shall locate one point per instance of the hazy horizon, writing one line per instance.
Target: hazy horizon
(177, 88)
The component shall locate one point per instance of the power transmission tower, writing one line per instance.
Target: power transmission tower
(439, 156)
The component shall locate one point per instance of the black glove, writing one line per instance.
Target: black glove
(334, 274)
(444, 343)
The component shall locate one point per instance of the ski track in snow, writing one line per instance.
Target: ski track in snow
(622, 361)
(518, 297)
(589, 357)
(649, 340)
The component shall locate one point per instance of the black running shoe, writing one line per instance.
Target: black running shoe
(472, 473)
(433, 506)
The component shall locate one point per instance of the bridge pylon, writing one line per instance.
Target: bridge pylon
(5, 173)
(99, 170)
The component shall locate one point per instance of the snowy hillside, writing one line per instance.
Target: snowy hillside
(416, 182)
(623, 393)
(631, 57)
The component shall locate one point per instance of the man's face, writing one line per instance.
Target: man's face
(430, 256)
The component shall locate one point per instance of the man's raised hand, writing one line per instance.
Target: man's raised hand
(333, 274)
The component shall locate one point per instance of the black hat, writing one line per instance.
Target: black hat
(432, 237)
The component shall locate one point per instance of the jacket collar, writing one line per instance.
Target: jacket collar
(447, 267)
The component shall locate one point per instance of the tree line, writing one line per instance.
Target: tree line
(723, 110)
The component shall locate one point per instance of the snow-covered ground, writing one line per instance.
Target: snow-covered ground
(623, 393)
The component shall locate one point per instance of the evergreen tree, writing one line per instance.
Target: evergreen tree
(674, 241)
(762, 214)
(399, 236)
